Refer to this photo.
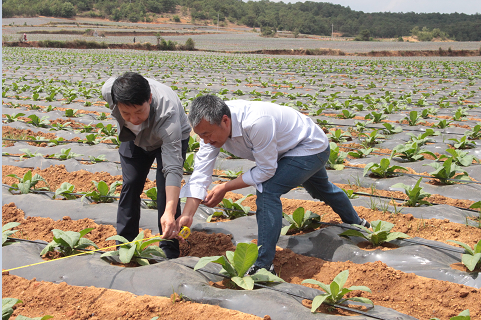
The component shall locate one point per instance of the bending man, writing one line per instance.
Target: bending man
(289, 150)
(152, 125)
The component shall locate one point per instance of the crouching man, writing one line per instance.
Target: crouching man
(289, 150)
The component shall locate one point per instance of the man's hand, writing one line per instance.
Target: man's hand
(169, 226)
(215, 196)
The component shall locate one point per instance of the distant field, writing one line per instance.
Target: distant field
(232, 39)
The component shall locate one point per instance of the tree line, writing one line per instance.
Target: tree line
(305, 17)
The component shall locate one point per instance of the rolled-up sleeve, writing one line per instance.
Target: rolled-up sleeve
(202, 176)
(264, 149)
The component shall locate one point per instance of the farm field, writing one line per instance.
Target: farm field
(231, 38)
(394, 125)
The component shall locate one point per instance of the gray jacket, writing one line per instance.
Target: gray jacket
(165, 128)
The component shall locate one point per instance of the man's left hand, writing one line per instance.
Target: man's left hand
(215, 196)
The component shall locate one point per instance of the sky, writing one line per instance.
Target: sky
(418, 6)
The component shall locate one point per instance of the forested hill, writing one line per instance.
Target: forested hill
(305, 17)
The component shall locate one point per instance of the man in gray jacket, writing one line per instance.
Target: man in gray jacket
(151, 125)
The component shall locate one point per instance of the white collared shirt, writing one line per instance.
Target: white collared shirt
(262, 132)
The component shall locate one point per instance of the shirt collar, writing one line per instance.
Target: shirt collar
(236, 130)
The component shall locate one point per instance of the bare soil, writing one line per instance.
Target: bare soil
(417, 296)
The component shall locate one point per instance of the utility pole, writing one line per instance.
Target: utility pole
(332, 31)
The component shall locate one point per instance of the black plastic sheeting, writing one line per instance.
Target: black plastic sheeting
(324, 243)
(164, 278)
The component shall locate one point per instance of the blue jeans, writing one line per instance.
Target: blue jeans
(308, 171)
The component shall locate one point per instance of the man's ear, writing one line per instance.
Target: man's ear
(150, 99)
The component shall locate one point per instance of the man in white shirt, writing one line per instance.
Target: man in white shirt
(289, 150)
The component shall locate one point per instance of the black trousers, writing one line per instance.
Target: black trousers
(136, 164)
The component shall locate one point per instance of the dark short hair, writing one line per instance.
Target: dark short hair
(130, 89)
(208, 107)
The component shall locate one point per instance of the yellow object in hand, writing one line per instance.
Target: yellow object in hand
(184, 232)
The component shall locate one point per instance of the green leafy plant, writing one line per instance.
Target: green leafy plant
(107, 130)
(463, 315)
(336, 157)
(338, 136)
(104, 193)
(300, 220)
(413, 119)
(69, 242)
(139, 250)
(29, 154)
(443, 124)
(102, 116)
(447, 170)
(375, 117)
(232, 174)
(423, 138)
(189, 162)
(349, 193)
(415, 194)
(371, 138)
(6, 232)
(235, 265)
(99, 158)
(411, 152)
(383, 169)
(461, 158)
(361, 153)
(38, 122)
(152, 194)
(474, 133)
(194, 144)
(65, 154)
(65, 190)
(472, 256)
(28, 182)
(381, 233)
(61, 126)
(463, 143)
(346, 114)
(14, 117)
(91, 139)
(232, 209)
(390, 129)
(335, 291)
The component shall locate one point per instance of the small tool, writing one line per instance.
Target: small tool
(184, 232)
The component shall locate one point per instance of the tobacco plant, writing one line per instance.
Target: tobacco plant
(338, 136)
(299, 220)
(448, 170)
(381, 233)
(69, 242)
(411, 152)
(463, 143)
(472, 256)
(65, 190)
(371, 139)
(139, 250)
(335, 291)
(461, 158)
(189, 162)
(193, 143)
(415, 194)
(390, 129)
(28, 182)
(29, 154)
(6, 232)
(65, 154)
(235, 265)
(232, 209)
(103, 194)
(361, 153)
(336, 157)
(413, 119)
(383, 169)
(38, 122)
(474, 133)
(152, 194)
(13, 117)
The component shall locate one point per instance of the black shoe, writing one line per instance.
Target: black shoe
(253, 270)
(365, 223)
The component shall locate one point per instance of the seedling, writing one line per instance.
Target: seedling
(324, 123)
(139, 250)
(381, 233)
(415, 194)
(152, 194)
(232, 210)
(232, 174)
(335, 291)
(390, 129)
(448, 170)
(65, 190)
(360, 126)
(61, 126)
(383, 169)
(65, 154)
(336, 157)
(28, 182)
(300, 220)
(463, 143)
(461, 158)
(474, 133)
(472, 256)
(99, 158)
(235, 265)
(103, 194)
(189, 162)
(38, 122)
(372, 138)
(14, 117)
(69, 242)
(361, 153)
(443, 124)
(102, 116)
(193, 143)
(29, 154)
(92, 139)
(411, 152)
(86, 128)
(338, 136)
(375, 117)
(6, 232)
(413, 118)
(107, 130)
(423, 138)
(346, 114)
